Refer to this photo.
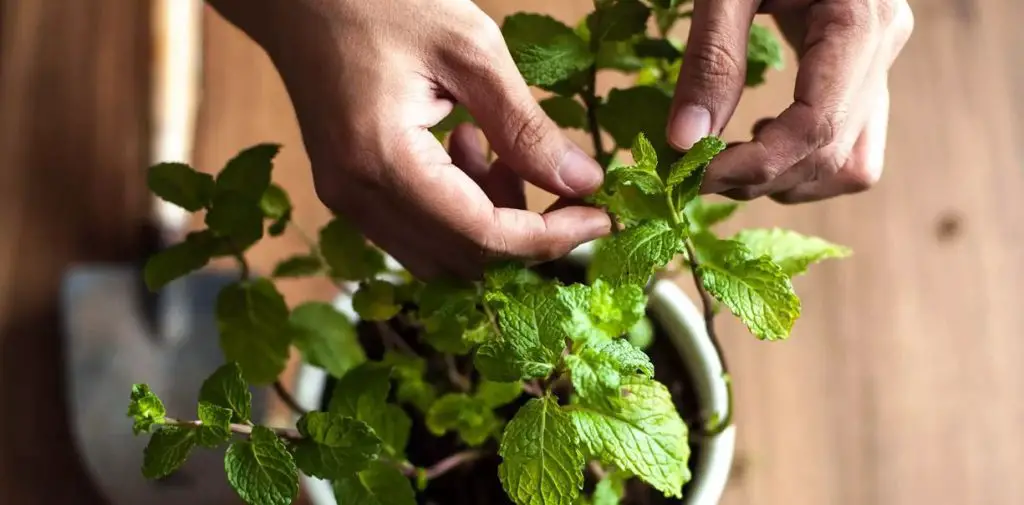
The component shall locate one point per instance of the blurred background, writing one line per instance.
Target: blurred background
(902, 382)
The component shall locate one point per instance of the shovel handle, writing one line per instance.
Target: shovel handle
(177, 64)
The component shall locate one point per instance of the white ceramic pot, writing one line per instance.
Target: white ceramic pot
(683, 323)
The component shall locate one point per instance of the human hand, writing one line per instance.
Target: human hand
(368, 79)
(831, 140)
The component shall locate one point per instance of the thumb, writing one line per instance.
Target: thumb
(522, 135)
(713, 71)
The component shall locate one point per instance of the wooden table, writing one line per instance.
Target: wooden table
(899, 386)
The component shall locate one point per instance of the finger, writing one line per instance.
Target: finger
(861, 171)
(713, 72)
(828, 160)
(481, 75)
(501, 184)
(453, 205)
(466, 152)
(839, 53)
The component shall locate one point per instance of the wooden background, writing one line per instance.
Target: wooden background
(901, 384)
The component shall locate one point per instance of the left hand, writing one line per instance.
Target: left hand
(831, 140)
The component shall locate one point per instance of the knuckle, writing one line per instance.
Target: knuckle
(528, 127)
(903, 24)
(839, 20)
(826, 127)
(715, 62)
(484, 34)
(860, 178)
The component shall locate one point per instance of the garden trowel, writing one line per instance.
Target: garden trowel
(118, 333)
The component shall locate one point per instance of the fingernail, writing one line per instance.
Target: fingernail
(690, 124)
(580, 172)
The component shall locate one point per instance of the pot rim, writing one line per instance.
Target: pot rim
(682, 322)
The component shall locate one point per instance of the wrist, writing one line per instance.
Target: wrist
(267, 22)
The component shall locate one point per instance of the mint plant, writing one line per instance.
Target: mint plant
(550, 378)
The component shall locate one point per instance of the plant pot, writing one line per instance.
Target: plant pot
(685, 360)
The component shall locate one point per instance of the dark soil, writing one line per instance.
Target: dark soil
(477, 483)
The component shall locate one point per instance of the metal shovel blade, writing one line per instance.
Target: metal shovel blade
(113, 340)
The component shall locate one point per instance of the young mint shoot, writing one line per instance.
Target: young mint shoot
(572, 357)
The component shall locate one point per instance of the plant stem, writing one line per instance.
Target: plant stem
(598, 471)
(457, 379)
(706, 301)
(389, 336)
(243, 429)
(591, 102)
(288, 399)
(533, 388)
(445, 465)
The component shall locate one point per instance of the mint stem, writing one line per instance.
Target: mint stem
(445, 465)
(706, 301)
(242, 429)
(457, 379)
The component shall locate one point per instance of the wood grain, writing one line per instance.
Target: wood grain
(73, 136)
(900, 384)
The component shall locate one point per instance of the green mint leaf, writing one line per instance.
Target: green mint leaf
(497, 394)
(609, 490)
(409, 370)
(792, 251)
(375, 301)
(248, 173)
(216, 427)
(326, 338)
(532, 334)
(451, 319)
(645, 437)
(473, 419)
(618, 20)
(632, 256)
(167, 450)
(641, 335)
(764, 51)
(275, 203)
(334, 446)
(505, 275)
(630, 204)
(347, 253)
(226, 388)
(643, 174)
(261, 470)
(254, 331)
(380, 484)
(574, 85)
(668, 4)
(753, 287)
(236, 216)
(632, 111)
(602, 311)
(598, 370)
(300, 265)
(695, 159)
(145, 409)
(544, 49)
(180, 259)
(181, 185)
(541, 459)
(565, 112)
(702, 214)
(362, 394)
(659, 49)
(457, 116)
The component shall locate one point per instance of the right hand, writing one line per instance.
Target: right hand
(368, 78)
